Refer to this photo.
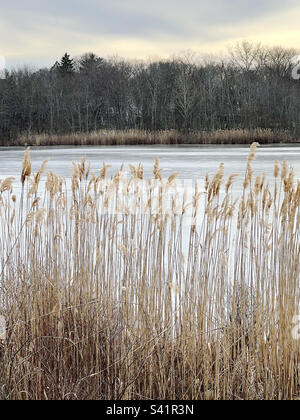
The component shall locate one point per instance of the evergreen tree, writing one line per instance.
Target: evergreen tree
(90, 63)
(66, 66)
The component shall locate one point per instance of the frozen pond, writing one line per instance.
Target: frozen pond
(191, 162)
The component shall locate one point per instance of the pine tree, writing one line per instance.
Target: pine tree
(66, 66)
(90, 63)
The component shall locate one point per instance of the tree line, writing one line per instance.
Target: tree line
(252, 87)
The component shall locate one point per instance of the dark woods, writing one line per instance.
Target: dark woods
(251, 88)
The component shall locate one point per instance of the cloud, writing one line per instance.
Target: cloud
(40, 31)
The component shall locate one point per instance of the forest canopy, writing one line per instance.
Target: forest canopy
(251, 87)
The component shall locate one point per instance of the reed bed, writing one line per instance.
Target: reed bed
(105, 298)
(138, 137)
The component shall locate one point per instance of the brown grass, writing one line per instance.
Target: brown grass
(136, 137)
(115, 305)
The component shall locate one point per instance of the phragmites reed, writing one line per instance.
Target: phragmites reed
(131, 288)
(138, 137)
(26, 167)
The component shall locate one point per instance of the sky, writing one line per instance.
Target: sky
(37, 33)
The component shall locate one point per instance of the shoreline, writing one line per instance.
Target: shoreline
(141, 137)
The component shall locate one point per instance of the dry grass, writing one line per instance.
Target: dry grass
(108, 305)
(135, 137)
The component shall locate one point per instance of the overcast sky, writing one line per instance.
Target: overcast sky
(39, 32)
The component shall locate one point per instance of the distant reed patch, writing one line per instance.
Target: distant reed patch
(167, 137)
